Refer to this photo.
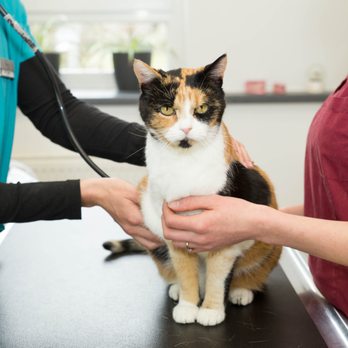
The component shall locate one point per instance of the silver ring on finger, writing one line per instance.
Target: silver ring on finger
(188, 248)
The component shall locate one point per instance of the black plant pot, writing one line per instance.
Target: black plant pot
(54, 59)
(125, 78)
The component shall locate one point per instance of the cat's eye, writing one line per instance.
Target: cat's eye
(167, 110)
(202, 109)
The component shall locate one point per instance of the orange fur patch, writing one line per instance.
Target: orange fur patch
(142, 185)
(186, 266)
(190, 71)
(159, 121)
(165, 270)
(230, 153)
(194, 95)
(252, 270)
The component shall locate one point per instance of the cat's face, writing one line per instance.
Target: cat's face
(182, 107)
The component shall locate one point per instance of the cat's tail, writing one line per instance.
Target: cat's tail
(124, 246)
(160, 255)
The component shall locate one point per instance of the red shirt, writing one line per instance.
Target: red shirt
(326, 187)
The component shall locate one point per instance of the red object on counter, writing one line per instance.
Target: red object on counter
(255, 87)
(279, 88)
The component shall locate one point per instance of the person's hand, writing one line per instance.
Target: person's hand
(242, 154)
(223, 221)
(121, 200)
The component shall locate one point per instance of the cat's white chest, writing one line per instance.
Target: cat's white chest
(176, 174)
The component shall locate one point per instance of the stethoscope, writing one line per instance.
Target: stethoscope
(52, 77)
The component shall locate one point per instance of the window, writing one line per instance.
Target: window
(86, 35)
(87, 46)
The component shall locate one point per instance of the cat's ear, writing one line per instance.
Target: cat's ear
(216, 70)
(144, 73)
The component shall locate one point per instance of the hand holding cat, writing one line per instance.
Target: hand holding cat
(121, 200)
(222, 222)
(208, 230)
(242, 154)
(227, 220)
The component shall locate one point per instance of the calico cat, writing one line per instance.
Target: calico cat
(189, 152)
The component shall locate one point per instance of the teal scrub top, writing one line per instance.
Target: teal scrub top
(12, 47)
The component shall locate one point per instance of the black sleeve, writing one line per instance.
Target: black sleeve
(100, 134)
(40, 201)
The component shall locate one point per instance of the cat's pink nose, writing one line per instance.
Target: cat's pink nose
(186, 130)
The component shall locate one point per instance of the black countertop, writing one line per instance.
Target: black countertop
(59, 289)
(132, 98)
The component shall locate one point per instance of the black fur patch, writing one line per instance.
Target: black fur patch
(128, 245)
(161, 253)
(247, 184)
(185, 144)
(175, 73)
(214, 93)
(154, 95)
(211, 114)
(201, 80)
(195, 80)
(107, 245)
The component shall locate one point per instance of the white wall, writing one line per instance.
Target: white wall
(276, 40)
(275, 137)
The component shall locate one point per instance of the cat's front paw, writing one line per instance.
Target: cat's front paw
(210, 317)
(240, 296)
(185, 313)
(173, 292)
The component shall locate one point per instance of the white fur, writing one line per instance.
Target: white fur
(176, 173)
(174, 291)
(144, 72)
(200, 131)
(185, 312)
(210, 317)
(185, 115)
(241, 296)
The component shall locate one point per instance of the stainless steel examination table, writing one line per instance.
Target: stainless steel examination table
(59, 288)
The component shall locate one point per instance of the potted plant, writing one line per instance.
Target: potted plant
(129, 48)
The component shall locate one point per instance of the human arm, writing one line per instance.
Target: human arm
(226, 220)
(64, 199)
(40, 201)
(100, 134)
(294, 210)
